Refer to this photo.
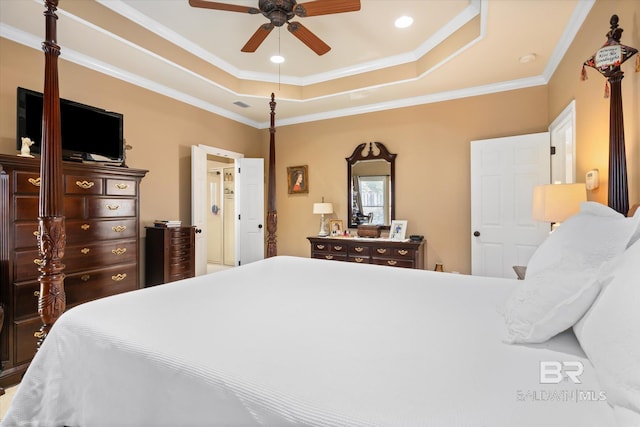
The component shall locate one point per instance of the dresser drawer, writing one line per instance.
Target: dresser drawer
(100, 207)
(358, 259)
(26, 207)
(90, 285)
(321, 247)
(26, 300)
(82, 185)
(120, 187)
(330, 256)
(94, 229)
(25, 342)
(393, 262)
(359, 251)
(25, 235)
(25, 265)
(82, 257)
(179, 268)
(27, 182)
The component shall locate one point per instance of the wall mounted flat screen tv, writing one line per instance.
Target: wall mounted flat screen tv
(88, 133)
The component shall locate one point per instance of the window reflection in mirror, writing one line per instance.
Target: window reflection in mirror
(371, 186)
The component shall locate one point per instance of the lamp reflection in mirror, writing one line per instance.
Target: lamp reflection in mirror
(555, 203)
(323, 209)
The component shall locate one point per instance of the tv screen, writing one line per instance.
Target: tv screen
(88, 133)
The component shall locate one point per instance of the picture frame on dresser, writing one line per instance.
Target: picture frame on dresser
(336, 226)
(398, 229)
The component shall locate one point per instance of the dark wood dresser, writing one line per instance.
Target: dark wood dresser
(170, 254)
(406, 254)
(101, 258)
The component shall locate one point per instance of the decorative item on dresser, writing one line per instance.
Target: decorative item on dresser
(409, 254)
(170, 254)
(101, 257)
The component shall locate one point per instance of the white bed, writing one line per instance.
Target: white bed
(293, 341)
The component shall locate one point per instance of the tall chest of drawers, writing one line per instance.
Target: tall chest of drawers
(101, 257)
(170, 254)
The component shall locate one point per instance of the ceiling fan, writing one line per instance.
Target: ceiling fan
(280, 12)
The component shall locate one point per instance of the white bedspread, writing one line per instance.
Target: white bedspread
(296, 341)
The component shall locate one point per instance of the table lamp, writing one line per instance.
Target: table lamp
(322, 209)
(555, 203)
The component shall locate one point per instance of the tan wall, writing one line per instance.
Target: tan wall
(432, 141)
(592, 109)
(432, 168)
(160, 129)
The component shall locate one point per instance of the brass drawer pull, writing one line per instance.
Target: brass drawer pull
(85, 227)
(85, 251)
(328, 256)
(85, 277)
(392, 262)
(119, 228)
(38, 262)
(85, 184)
(320, 246)
(119, 277)
(34, 181)
(358, 259)
(36, 233)
(337, 248)
(382, 250)
(38, 334)
(113, 207)
(36, 293)
(403, 251)
(121, 186)
(119, 251)
(359, 249)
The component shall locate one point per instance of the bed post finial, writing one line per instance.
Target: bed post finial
(272, 213)
(51, 227)
(608, 61)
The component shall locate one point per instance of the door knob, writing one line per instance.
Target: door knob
(259, 225)
(476, 233)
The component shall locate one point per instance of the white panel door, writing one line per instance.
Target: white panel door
(503, 174)
(199, 205)
(250, 209)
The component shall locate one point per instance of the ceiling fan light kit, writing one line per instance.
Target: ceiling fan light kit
(280, 12)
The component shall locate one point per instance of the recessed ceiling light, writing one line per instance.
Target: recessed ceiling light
(530, 57)
(404, 22)
(277, 59)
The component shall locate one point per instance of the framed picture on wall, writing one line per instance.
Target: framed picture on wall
(398, 229)
(298, 179)
(336, 227)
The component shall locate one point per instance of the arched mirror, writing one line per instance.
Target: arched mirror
(371, 185)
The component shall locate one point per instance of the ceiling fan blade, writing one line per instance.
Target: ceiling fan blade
(326, 7)
(308, 38)
(257, 38)
(223, 6)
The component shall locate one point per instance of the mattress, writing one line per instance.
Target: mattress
(296, 341)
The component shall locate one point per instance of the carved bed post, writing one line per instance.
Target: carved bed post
(607, 60)
(51, 230)
(272, 213)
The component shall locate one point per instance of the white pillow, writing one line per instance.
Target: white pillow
(550, 302)
(610, 333)
(594, 235)
(561, 281)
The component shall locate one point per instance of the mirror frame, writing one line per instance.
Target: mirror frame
(383, 154)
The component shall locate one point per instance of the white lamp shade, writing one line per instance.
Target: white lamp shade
(322, 208)
(557, 202)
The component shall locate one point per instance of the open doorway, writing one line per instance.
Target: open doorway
(221, 237)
